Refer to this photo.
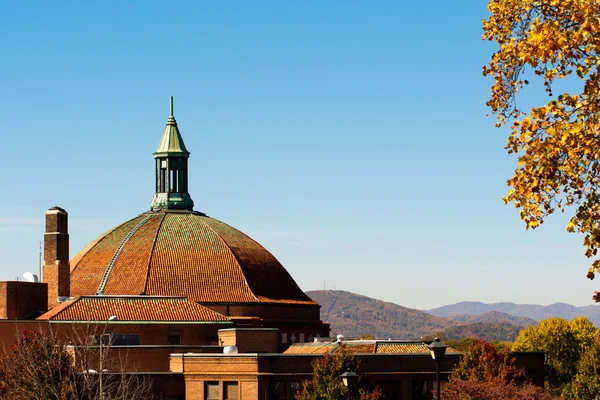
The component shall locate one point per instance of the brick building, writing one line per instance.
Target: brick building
(172, 288)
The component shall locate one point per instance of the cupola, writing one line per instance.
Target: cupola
(171, 159)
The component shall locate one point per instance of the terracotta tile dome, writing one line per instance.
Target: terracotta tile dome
(182, 253)
(175, 251)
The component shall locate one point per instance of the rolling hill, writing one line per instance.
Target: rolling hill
(501, 331)
(493, 317)
(354, 315)
(533, 311)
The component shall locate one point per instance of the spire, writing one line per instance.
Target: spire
(171, 170)
(171, 141)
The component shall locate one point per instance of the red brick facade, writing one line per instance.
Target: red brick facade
(20, 299)
(57, 273)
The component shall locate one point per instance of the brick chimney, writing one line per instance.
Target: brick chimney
(56, 256)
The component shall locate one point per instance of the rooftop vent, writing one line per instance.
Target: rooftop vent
(230, 350)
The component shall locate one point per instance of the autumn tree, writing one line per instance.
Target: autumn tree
(557, 143)
(39, 366)
(563, 343)
(36, 367)
(326, 383)
(487, 374)
(494, 390)
(483, 363)
(585, 385)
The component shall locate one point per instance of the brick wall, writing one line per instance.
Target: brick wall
(17, 298)
(250, 340)
(302, 312)
(56, 255)
(9, 329)
(150, 334)
(135, 358)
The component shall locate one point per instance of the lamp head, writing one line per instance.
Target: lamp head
(349, 378)
(437, 349)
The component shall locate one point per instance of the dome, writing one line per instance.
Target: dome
(182, 253)
(173, 250)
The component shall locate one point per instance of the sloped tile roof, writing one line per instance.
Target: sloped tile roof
(132, 308)
(360, 348)
(385, 347)
(183, 254)
(364, 347)
(311, 348)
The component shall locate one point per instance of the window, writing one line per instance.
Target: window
(277, 391)
(230, 391)
(174, 181)
(163, 178)
(284, 337)
(294, 387)
(211, 390)
(419, 389)
(174, 338)
(391, 389)
(117, 339)
(125, 340)
(301, 338)
(283, 390)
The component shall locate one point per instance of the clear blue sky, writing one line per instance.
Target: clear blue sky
(348, 137)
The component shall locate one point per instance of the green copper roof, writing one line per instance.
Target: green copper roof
(171, 141)
(171, 191)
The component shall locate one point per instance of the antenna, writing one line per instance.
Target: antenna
(40, 260)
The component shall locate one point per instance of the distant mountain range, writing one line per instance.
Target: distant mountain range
(501, 331)
(533, 311)
(492, 317)
(355, 315)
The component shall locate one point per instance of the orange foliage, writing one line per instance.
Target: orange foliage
(557, 143)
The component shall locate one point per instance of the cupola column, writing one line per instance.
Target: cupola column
(171, 157)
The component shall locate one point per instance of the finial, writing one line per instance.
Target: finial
(171, 103)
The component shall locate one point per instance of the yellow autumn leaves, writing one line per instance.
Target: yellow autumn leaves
(558, 143)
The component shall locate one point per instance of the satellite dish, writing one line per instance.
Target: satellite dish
(31, 277)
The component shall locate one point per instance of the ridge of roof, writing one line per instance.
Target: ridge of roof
(115, 257)
(236, 258)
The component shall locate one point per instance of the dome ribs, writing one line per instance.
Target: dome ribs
(115, 257)
(268, 279)
(129, 274)
(184, 254)
(86, 276)
(190, 260)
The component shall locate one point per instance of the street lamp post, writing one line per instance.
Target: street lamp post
(349, 378)
(437, 350)
(101, 356)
